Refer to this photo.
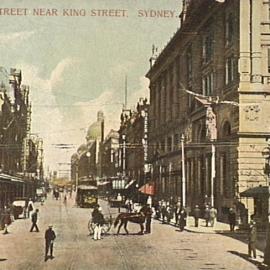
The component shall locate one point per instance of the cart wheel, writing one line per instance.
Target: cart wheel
(91, 227)
(106, 228)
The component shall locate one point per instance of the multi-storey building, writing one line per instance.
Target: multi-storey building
(109, 154)
(15, 120)
(221, 50)
(134, 142)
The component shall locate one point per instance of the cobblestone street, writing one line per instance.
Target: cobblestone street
(165, 248)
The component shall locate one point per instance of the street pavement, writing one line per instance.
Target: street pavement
(165, 248)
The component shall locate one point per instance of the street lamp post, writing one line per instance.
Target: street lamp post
(266, 155)
(124, 155)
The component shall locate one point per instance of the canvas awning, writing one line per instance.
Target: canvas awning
(148, 188)
(130, 183)
(256, 192)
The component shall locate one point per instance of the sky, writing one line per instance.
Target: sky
(76, 65)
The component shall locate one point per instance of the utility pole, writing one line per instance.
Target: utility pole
(183, 172)
(266, 155)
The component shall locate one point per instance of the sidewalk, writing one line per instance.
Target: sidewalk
(224, 229)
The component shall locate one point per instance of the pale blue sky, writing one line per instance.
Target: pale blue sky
(76, 65)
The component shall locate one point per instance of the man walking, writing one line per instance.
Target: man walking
(148, 219)
(196, 214)
(232, 219)
(49, 238)
(252, 238)
(34, 218)
(207, 215)
(213, 216)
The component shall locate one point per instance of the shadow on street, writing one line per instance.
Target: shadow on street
(247, 258)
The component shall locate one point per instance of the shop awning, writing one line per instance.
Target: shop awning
(85, 187)
(148, 188)
(7, 177)
(130, 183)
(256, 192)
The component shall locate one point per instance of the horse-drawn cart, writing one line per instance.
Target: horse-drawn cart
(105, 227)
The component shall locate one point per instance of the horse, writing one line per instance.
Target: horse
(131, 217)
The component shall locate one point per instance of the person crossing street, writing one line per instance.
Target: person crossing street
(34, 218)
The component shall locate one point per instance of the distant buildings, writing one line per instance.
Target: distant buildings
(86, 162)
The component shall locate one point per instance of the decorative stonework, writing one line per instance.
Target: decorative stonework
(256, 78)
(252, 112)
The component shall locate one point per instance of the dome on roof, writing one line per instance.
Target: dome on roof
(94, 131)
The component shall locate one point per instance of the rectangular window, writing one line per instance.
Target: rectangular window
(229, 31)
(208, 47)
(208, 84)
(189, 64)
(176, 141)
(169, 144)
(162, 145)
(231, 70)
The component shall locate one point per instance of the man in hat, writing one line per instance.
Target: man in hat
(232, 219)
(196, 214)
(252, 238)
(49, 238)
(98, 220)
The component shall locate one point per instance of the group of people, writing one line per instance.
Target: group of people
(166, 211)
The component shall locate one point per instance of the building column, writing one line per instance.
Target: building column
(256, 76)
(244, 60)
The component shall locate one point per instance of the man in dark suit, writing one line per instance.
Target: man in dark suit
(148, 219)
(34, 218)
(49, 238)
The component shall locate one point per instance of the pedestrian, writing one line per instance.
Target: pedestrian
(207, 215)
(163, 211)
(34, 218)
(213, 216)
(49, 240)
(7, 219)
(149, 201)
(148, 218)
(30, 208)
(127, 205)
(177, 211)
(65, 200)
(182, 219)
(196, 215)
(168, 212)
(119, 201)
(98, 220)
(232, 219)
(252, 238)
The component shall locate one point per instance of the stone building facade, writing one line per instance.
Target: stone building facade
(109, 154)
(221, 51)
(132, 157)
